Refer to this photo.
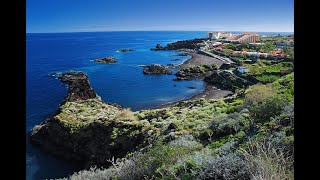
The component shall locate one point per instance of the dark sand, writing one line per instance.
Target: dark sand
(210, 92)
(199, 59)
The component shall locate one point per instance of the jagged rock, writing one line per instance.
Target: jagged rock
(109, 59)
(125, 50)
(79, 86)
(156, 69)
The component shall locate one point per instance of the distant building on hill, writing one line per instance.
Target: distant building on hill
(245, 37)
(217, 35)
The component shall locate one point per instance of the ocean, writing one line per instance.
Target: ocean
(122, 82)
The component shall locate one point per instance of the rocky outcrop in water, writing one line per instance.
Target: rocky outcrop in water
(79, 87)
(86, 129)
(156, 69)
(125, 50)
(186, 44)
(109, 59)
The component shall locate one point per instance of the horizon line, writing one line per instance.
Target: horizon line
(155, 31)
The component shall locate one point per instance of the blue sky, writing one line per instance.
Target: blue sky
(126, 15)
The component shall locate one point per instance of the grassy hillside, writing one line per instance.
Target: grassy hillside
(240, 137)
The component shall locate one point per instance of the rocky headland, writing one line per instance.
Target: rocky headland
(86, 129)
(109, 59)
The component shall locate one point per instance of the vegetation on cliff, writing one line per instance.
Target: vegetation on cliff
(266, 71)
(239, 137)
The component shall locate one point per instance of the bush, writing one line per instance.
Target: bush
(267, 78)
(229, 166)
(263, 111)
(258, 93)
(267, 160)
(226, 124)
(125, 114)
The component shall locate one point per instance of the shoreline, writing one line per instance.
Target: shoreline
(199, 59)
(210, 91)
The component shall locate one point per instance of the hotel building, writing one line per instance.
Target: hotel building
(245, 37)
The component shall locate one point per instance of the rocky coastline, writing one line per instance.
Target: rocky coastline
(90, 131)
(83, 128)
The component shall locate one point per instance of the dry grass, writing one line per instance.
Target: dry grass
(125, 114)
(266, 161)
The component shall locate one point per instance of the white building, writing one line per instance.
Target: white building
(216, 35)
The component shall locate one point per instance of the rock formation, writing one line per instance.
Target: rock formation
(105, 60)
(85, 128)
(195, 72)
(156, 69)
(225, 80)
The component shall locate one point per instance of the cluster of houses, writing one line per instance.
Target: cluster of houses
(282, 43)
(277, 53)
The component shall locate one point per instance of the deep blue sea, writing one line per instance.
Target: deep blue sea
(122, 82)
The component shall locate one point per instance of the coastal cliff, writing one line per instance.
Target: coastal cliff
(85, 128)
(157, 142)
